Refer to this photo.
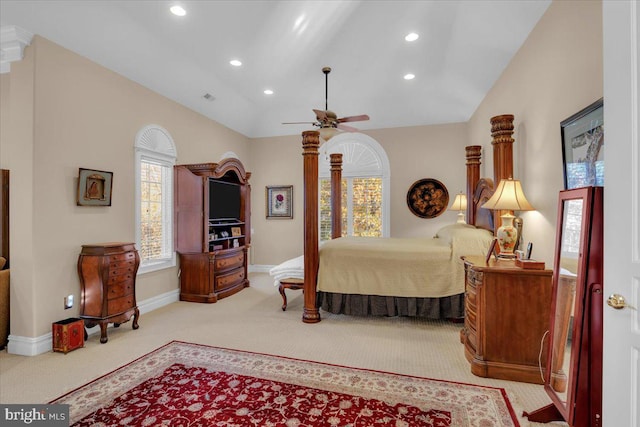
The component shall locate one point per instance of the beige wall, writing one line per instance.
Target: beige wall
(68, 112)
(414, 153)
(556, 73)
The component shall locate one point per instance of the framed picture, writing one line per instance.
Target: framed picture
(94, 187)
(493, 250)
(583, 147)
(236, 231)
(279, 202)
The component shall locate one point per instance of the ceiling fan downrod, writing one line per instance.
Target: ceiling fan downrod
(326, 71)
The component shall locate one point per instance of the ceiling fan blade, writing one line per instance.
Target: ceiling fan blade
(320, 115)
(347, 128)
(359, 118)
(299, 123)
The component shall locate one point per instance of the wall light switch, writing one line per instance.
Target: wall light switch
(68, 302)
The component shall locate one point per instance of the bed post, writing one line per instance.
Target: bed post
(473, 153)
(501, 131)
(310, 145)
(336, 195)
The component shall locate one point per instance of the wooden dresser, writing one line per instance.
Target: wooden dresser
(507, 313)
(107, 274)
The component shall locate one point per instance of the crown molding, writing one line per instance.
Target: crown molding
(13, 40)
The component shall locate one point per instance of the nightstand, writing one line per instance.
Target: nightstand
(507, 313)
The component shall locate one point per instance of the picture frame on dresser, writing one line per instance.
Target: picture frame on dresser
(583, 147)
(94, 187)
(279, 200)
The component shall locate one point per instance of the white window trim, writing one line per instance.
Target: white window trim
(154, 144)
(351, 168)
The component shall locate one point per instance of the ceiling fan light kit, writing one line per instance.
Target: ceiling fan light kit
(327, 121)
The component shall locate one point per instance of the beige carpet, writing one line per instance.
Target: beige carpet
(253, 320)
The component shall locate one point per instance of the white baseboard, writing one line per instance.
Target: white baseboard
(26, 346)
(254, 268)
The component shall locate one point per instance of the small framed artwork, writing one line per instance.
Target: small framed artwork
(236, 231)
(583, 147)
(493, 250)
(279, 202)
(94, 187)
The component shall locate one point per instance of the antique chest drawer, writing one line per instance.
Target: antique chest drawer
(229, 279)
(119, 305)
(120, 289)
(224, 262)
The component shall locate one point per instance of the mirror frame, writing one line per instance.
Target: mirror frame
(584, 377)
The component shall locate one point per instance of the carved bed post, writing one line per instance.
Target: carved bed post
(336, 195)
(310, 144)
(474, 152)
(501, 131)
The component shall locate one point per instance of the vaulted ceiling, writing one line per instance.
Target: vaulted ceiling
(462, 49)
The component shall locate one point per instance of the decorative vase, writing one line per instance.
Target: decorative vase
(507, 236)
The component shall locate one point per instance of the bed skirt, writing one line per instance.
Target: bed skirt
(450, 308)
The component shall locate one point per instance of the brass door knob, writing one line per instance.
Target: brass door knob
(618, 302)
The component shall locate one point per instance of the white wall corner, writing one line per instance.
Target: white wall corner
(13, 40)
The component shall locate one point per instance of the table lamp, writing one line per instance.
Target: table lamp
(508, 197)
(459, 204)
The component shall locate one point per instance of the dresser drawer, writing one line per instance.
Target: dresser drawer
(470, 297)
(127, 256)
(225, 280)
(472, 339)
(225, 262)
(121, 269)
(120, 305)
(120, 289)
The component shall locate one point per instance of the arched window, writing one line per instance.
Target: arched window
(155, 156)
(365, 186)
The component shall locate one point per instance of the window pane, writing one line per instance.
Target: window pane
(367, 207)
(152, 229)
(325, 209)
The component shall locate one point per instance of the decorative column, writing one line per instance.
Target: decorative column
(336, 195)
(501, 131)
(473, 154)
(310, 145)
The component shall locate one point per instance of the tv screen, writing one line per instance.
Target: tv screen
(224, 200)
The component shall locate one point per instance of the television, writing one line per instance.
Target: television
(224, 200)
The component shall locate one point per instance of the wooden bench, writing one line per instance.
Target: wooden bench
(295, 284)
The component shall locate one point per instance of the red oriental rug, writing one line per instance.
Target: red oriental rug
(183, 384)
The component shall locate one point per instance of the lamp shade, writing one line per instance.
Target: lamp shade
(459, 203)
(508, 196)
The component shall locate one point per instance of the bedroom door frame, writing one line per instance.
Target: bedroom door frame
(621, 350)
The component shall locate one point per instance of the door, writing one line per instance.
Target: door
(621, 358)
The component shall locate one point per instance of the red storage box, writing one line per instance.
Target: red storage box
(68, 334)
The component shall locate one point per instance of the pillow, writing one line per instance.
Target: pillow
(447, 233)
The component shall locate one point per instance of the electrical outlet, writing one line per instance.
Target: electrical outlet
(68, 302)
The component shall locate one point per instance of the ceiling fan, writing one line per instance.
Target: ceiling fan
(327, 119)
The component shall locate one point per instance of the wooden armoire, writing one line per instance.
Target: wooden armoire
(212, 229)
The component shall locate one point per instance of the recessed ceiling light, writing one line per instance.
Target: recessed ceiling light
(178, 10)
(411, 37)
(235, 63)
(409, 76)
(268, 92)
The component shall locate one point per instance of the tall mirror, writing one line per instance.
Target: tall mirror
(573, 368)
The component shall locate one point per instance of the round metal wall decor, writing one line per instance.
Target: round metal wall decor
(427, 198)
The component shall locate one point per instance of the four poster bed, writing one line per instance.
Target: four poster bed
(421, 277)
